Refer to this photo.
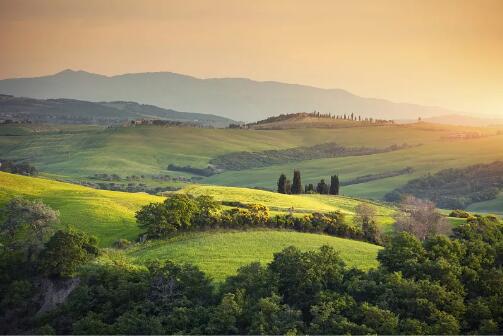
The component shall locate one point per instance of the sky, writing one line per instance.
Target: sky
(443, 53)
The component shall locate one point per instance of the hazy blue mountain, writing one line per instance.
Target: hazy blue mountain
(235, 98)
(63, 110)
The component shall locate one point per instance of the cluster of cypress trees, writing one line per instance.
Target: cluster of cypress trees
(295, 187)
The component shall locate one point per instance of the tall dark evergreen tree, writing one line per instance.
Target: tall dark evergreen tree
(297, 184)
(288, 187)
(334, 185)
(282, 184)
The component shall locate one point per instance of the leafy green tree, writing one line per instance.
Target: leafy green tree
(65, 251)
(273, 318)
(282, 184)
(297, 184)
(27, 225)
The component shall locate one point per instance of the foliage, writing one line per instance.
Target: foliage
(248, 160)
(182, 213)
(456, 188)
(297, 184)
(440, 285)
(26, 226)
(65, 251)
(22, 168)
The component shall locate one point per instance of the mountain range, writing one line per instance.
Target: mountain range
(63, 110)
(234, 98)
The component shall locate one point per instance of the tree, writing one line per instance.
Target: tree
(288, 187)
(27, 225)
(65, 251)
(322, 187)
(177, 212)
(297, 184)
(420, 218)
(365, 218)
(334, 185)
(282, 184)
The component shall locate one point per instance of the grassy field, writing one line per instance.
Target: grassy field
(428, 158)
(77, 152)
(494, 206)
(292, 203)
(220, 254)
(108, 215)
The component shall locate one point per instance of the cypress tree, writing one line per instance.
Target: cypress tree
(297, 184)
(288, 187)
(334, 185)
(282, 184)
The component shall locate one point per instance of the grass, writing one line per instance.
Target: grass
(220, 254)
(494, 206)
(76, 152)
(108, 215)
(428, 158)
(297, 203)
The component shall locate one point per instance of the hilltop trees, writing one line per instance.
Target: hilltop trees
(297, 184)
(285, 187)
(282, 184)
(334, 185)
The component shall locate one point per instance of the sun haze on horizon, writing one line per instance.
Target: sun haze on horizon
(444, 53)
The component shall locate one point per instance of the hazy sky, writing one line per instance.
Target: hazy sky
(446, 53)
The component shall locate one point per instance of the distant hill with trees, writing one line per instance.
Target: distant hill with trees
(71, 111)
(235, 98)
(455, 188)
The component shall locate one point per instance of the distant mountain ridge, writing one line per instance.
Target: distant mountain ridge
(235, 98)
(64, 110)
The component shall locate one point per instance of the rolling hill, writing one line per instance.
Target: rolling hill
(220, 254)
(109, 216)
(234, 98)
(84, 112)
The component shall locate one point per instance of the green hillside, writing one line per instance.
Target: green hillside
(76, 153)
(108, 215)
(220, 254)
(291, 203)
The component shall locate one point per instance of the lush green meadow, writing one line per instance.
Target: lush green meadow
(109, 215)
(220, 254)
(291, 203)
(77, 152)
(428, 158)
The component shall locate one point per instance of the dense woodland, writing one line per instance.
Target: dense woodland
(456, 188)
(431, 284)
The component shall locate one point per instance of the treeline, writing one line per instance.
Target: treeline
(295, 187)
(21, 168)
(125, 187)
(438, 285)
(185, 213)
(378, 176)
(208, 171)
(316, 114)
(248, 160)
(455, 188)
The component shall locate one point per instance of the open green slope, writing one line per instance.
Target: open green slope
(428, 158)
(291, 203)
(220, 254)
(108, 215)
